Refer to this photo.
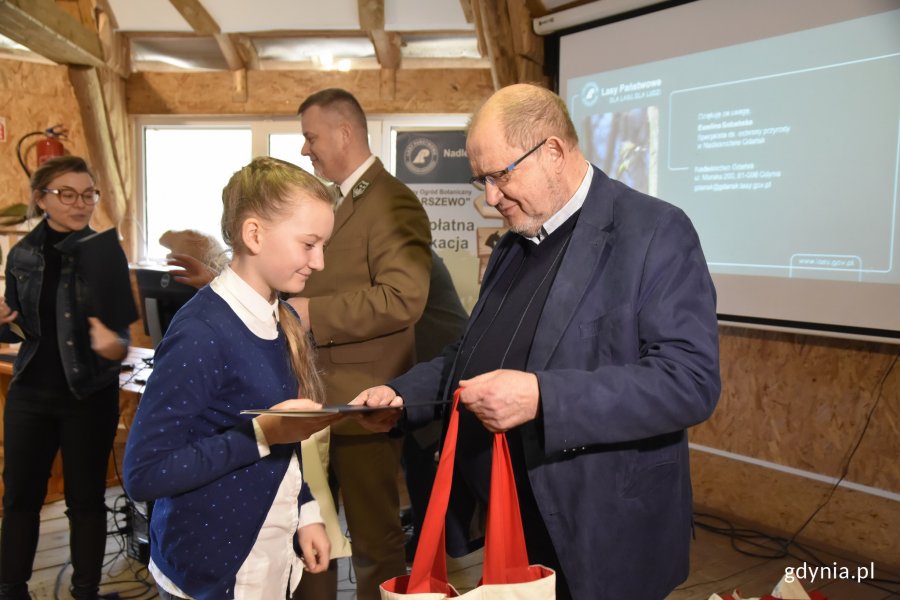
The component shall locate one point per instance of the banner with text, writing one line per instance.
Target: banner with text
(464, 229)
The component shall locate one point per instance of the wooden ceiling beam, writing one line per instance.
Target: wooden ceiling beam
(197, 16)
(493, 23)
(529, 47)
(506, 37)
(387, 43)
(203, 23)
(48, 30)
(95, 99)
(468, 12)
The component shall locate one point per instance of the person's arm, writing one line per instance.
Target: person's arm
(163, 457)
(109, 344)
(10, 331)
(398, 254)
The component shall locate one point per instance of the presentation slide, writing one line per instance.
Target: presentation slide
(783, 150)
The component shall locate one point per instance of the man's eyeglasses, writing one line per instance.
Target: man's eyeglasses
(69, 196)
(501, 176)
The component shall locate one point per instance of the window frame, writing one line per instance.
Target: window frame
(382, 134)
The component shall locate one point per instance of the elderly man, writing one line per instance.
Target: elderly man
(594, 345)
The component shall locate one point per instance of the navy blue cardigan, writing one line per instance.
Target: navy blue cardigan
(192, 451)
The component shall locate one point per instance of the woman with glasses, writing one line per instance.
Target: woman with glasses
(64, 391)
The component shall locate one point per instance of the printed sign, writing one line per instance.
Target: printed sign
(463, 228)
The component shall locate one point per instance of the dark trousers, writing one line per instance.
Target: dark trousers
(419, 469)
(365, 467)
(35, 427)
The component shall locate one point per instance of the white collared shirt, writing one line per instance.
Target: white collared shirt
(348, 184)
(568, 209)
(272, 561)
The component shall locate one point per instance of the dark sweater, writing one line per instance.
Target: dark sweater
(192, 451)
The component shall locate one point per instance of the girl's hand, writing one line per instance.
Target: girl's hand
(288, 430)
(105, 341)
(315, 547)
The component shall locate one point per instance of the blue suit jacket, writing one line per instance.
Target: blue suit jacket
(626, 355)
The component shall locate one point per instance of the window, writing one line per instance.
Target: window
(185, 163)
(185, 169)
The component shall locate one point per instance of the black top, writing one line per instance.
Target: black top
(501, 338)
(45, 370)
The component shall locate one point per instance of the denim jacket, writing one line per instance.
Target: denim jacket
(86, 371)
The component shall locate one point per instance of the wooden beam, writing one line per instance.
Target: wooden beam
(230, 51)
(387, 48)
(203, 23)
(248, 51)
(116, 47)
(239, 85)
(50, 31)
(387, 44)
(196, 16)
(468, 12)
(371, 14)
(279, 92)
(495, 25)
(100, 132)
(388, 86)
(529, 48)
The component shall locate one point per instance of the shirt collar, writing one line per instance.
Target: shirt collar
(568, 209)
(347, 184)
(257, 313)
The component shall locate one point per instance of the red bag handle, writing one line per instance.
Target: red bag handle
(505, 555)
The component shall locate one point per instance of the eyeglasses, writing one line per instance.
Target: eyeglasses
(501, 176)
(69, 196)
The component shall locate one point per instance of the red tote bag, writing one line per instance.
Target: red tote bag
(506, 573)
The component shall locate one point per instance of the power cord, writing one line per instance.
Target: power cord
(769, 547)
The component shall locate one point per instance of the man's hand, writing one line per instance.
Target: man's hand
(105, 341)
(288, 430)
(315, 547)
(301, 305)
(193, 272)
(381, 420)
(502, 399)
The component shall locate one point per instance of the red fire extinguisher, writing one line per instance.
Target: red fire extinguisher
(46, 148)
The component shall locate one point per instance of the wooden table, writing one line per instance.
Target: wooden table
(136, 368)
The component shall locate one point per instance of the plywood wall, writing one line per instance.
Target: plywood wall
(35, 96)
(805, 402)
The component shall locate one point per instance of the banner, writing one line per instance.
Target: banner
(464, 229)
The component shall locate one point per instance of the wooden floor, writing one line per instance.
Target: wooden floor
(716, 568)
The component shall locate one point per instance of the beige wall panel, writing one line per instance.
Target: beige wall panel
(855, 523)
(280, 92)
(802, 401)
(33, 97)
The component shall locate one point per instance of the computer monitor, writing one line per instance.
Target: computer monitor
(161, 297)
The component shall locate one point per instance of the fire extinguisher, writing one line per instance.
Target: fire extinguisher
(46, 148)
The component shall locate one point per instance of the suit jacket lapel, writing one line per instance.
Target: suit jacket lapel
(575, 272)
(356, 194)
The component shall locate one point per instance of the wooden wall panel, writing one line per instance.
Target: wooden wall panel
(33, 97)
(852, 524)
(280, 92)
(802, 401)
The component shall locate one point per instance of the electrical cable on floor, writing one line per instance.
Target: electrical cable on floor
(775, 547)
